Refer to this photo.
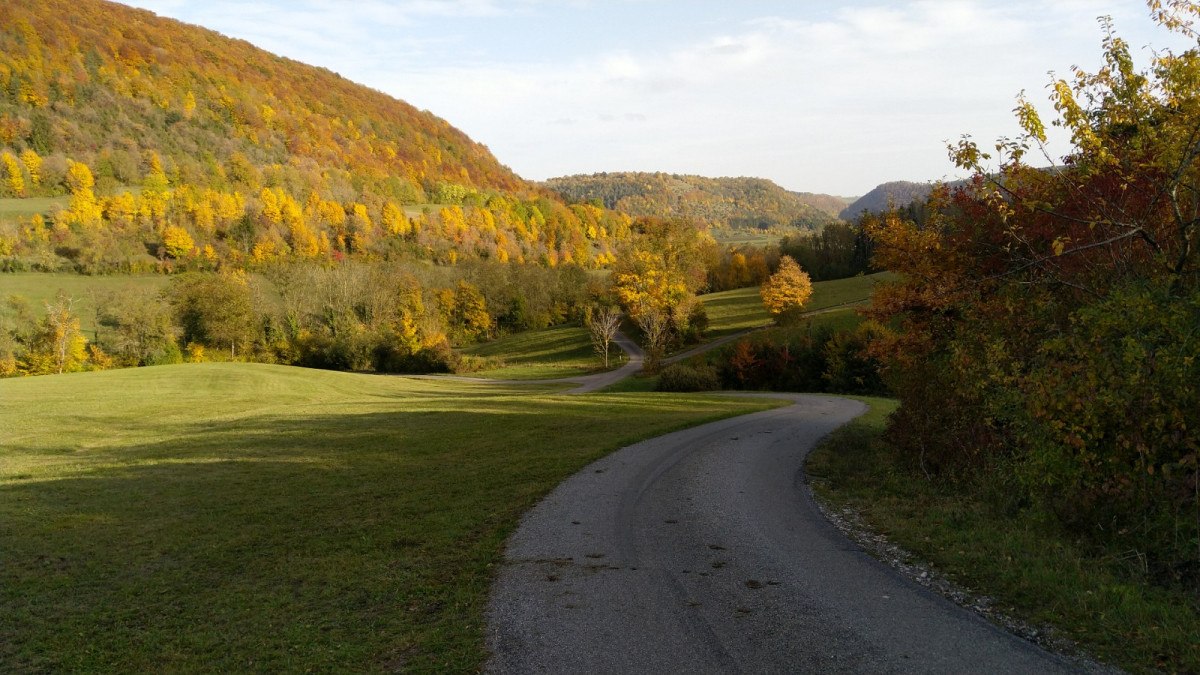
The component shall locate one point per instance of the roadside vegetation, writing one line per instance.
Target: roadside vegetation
(1105, 601)
(256, 517)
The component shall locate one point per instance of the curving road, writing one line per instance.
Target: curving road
(702, 551)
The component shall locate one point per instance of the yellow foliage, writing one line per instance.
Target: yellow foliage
(195, 352)
(394, 220)
(14, 175)
(79, 177)
(177, 241)
(787, 290)
(33, 164)
(98, 358)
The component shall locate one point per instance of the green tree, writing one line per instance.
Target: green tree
(215, 310)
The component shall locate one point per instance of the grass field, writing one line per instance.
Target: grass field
(242, 517)
(11, 209)
(741, 237)
(1027, 567)
(741, 309)
(40, 288)
(562, 351)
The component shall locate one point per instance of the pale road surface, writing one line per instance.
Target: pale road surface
(703, 551)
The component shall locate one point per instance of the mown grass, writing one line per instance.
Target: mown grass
(1031, 569)
(22, 208)
(741, 309)
(562, 351)
(39, 288)
(245, 517)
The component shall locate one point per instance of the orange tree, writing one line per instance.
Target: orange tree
(1047, 319)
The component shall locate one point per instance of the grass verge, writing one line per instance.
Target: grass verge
(1032, 570)
(235, 517)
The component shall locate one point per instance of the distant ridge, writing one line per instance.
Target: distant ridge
(734, 202)
(896, 193)
(831, 204)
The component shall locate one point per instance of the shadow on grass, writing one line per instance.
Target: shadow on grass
(328, 541)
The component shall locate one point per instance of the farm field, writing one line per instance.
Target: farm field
(251, 517)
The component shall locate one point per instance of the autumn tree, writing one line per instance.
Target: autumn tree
(661, 272)
(786, 291)
(603, 324)
(177, 242)
(1045, 318)
(33, 165)
(14, 177)
(57, 345)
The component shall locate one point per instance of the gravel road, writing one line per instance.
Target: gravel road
(702, 551)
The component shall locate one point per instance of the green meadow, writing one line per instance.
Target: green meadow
(245, 517)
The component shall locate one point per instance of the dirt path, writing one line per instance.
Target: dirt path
(703, 551)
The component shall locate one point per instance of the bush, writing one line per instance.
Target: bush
(678, 377)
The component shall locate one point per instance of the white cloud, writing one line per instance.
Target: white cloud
(867, 92)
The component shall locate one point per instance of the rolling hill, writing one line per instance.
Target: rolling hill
(151, 124)
(831, 204)
(754, 203)
(896, 193)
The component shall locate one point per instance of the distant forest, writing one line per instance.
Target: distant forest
(752, 203)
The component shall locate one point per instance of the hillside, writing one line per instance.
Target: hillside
(149, 123)
(831, 204)
(897, 193)
(734, 202)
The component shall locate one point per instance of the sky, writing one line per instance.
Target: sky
(832, 97)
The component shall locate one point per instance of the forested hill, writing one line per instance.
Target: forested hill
(897, 193)
(181, 148)
(831, 204)
(106, 83)
(736, 202)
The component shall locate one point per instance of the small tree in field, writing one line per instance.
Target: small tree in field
(603, 325)
(785, 293)
(656, 331)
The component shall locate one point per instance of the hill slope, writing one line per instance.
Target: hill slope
(183, 148)
(91, 78)
(831, 204)
(734, 202)
(896, 193)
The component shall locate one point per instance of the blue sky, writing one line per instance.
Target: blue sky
(817, 96)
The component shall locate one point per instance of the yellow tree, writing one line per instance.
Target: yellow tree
(177, 242)
(785, 293)
(33, 164)
(58, 346)
(85, 208)
(14, 176)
